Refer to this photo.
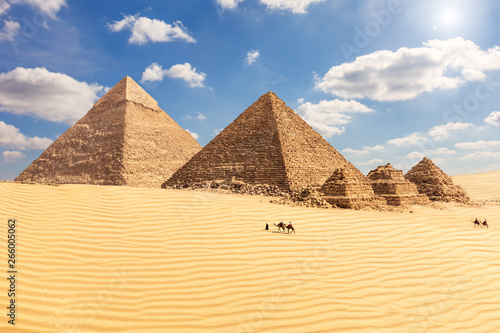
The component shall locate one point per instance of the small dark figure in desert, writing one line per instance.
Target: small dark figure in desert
(476, 223)
(280, 226)
(290, 227)
(485, 224)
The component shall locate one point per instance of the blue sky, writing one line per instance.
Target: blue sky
(384, 81)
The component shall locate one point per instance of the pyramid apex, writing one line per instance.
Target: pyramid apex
(128, 89)
(271, 96)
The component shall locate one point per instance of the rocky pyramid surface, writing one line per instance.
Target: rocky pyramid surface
(266, 144)
(346, 189)
(125, 139)
(434, 183)
(391, 184)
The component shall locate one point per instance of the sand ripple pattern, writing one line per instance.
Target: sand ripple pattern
(119, 259)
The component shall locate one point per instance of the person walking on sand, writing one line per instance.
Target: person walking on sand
(267, 226)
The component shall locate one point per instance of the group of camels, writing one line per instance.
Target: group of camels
(282, 226)
(480, 224)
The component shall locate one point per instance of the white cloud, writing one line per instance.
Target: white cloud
(198, 116)
(252, 57)
(4, 6)
(11, 137)
(301, 100)
(481, 144)
(415, 155)
(295, 6)
(408, 72)
(155, 72)
(371, 162)
(9, 31)
(441, 151)
(493, 118)
(49, 7)
(152, 73)
(229, 4)
(217, 131)
(145, 30)
(442, 132)
(479, 155)
(12, 156)
(412, 139)
(435, 152)
(326, 116)
(365, 150)
(47, 95)
(193, 134)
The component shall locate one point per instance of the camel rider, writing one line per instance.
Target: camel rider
(289, 223)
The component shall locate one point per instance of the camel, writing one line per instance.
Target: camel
(290, 227)
(280, 226)
(484, 224)
(476, 223)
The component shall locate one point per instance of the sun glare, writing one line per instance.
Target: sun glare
(449, 17)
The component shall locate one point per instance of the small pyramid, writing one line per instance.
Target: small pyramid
(391, 184)
(434, 183)
(267, 144)
(346, 189)
(125, 139)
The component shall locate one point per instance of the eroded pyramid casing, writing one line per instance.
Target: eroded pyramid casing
(391, 184)
(267, 144)
(125, 139)
(434, 183)
(346, 189)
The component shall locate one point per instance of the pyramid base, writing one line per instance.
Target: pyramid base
(355, 202)
(406, 199)
(445, 193)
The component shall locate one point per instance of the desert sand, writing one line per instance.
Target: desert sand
(121, 259)
(483, 186)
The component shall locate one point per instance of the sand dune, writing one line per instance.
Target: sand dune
(95, 259)
(484, 186)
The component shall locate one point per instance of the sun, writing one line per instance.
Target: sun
(449, 17)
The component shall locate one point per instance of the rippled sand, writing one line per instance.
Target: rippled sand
(114, 259)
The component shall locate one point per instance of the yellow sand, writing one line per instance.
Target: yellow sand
(113, 259)
(484, 186)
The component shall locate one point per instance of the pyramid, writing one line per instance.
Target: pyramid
(267, 144)
(391, 184)
(346, 189)
(125, 139)
(434, 183)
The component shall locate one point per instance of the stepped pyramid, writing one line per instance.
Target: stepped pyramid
(267, 144)
(125, 139)
(392, 185)
(434, 183)
(346, 189)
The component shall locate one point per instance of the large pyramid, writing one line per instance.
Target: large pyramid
(392, 185)
(267, 144)
(125, 139)
(434, 183)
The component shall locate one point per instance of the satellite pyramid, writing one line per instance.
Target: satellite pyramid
(392, 185)
(434, 183)
(125, 139)
(267, 144)
(346, 189)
